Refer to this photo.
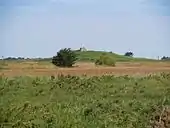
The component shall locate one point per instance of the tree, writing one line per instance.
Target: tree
(64, 58)
(129, 54)
(165, 58)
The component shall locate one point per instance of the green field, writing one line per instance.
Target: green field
(93, 55)
(82, 102)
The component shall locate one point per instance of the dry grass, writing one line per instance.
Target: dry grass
(84, 68)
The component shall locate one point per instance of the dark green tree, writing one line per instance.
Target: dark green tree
(165, 58)
(129, 54)
(65, 58)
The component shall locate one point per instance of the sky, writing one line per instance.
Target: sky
(39, 28)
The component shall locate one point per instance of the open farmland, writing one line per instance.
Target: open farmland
(33, 68)
(37, 94)
(85, 66)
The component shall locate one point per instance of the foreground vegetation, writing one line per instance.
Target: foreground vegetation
(82, 102)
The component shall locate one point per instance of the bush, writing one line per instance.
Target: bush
(65, 58)
(130, 54)
(165, 58)
(105, 60)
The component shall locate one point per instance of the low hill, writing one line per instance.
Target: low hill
(93, 55)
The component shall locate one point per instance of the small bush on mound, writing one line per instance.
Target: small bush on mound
(65, 58)
(105, 60)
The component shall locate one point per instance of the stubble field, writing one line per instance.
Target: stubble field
(83, 68)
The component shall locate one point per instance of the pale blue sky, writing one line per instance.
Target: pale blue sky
(39, 28)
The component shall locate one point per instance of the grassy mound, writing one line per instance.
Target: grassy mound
(70, 101)
(94, 55)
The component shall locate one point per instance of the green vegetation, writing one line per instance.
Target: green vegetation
(3, 65)
(165, 58)
(64, 58)
(91, 56)
(94, 55)
(105, 60)
(130, 54)
(82, 102)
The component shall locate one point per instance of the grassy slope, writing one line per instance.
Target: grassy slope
(107, 101)
(93, 55)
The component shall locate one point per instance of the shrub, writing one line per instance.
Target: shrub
(165, 58)
(65, 58)
(130, 54)
(105, 60)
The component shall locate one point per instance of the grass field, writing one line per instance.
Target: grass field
(36, 94)
(45, 68)
(85, 65)
(93, 55)
(83, 102)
